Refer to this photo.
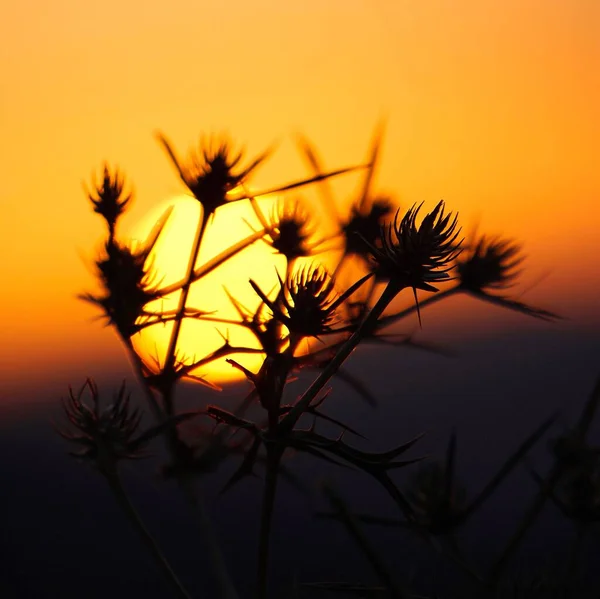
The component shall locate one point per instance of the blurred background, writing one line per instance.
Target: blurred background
(490, 106)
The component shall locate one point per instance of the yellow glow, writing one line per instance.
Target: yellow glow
(199, 338)
(492, 106)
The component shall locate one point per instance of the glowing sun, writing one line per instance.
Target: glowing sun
(199, 338)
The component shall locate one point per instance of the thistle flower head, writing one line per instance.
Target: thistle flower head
(311, 301)
(307, 302)
(364, 226)
(212, 171)
(489, 263)
(417, 256)
(288, 231)
(104, 436)
(109, 198)
(127, 281)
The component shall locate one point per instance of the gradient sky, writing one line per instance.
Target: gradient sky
(492, 106)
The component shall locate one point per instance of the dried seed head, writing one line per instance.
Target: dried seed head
(209, 172)
(417, 256)
(289, 230)
(105, 436)
(489, 263)
(109, 198)
(309, 301)
(364, 226)
(127, 282)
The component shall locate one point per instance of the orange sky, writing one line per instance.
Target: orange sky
(492, 106)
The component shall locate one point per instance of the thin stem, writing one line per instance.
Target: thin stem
(274, 455)
(227, 589)
(185, 290)
(531, 515)
(359, 537)
(288, 422)
(215, 262)
(268, 503)
(139, 371)
(133, 516)
(218, 562)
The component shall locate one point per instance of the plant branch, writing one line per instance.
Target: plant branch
(185, 290)
(288, 422)
(133, 516)
(273, 458)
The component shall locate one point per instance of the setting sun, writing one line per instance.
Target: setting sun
(212, 294)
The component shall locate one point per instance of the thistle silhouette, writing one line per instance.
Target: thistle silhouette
(394, 251)
(109, 198)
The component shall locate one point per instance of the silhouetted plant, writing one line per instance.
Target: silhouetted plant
(309, 304)
(106, 436)
(109, 198)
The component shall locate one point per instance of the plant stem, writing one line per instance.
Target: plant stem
(277, 427)
(359, 537)
(139, 371)
(531, 515)
(290, 419)
(432, 299)
(185, 290)
(227, 589)
(215, 262)
(220, 569)
(133, 516)
(273, 458)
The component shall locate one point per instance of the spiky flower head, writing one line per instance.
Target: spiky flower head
(105, 436)
(417, 256)
(310, 301)
(307, 303)
(109, 198)
(361, 230)
(489, 264)
(212, 171)
(289, 231)
(127, 281)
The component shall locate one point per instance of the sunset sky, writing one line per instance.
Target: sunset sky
(492, 106)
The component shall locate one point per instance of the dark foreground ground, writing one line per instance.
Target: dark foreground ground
(62, 535)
